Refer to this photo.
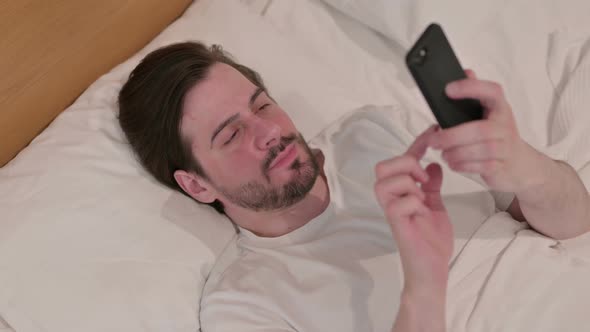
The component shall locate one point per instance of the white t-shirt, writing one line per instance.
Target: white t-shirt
(340, 271)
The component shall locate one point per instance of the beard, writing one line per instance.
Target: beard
(258, 196)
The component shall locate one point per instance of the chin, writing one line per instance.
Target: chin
(302, 165)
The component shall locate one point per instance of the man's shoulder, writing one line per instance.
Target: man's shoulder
(370, 128)
(238, 294)
(239, 269)
(380, 116)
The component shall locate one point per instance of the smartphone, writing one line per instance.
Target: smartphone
(433, 65)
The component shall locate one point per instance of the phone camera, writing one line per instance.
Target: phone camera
(420, 57)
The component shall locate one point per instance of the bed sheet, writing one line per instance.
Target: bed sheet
(4, 327)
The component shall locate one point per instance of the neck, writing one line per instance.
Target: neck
(277, 223)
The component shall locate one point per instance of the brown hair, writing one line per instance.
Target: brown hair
(150, 106)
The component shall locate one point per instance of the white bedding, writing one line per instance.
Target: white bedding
(125, 254)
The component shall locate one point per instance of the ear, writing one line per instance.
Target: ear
(195, 186)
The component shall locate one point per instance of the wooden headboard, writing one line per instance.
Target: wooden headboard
(51, 51)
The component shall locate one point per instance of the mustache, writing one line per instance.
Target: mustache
(275, 150)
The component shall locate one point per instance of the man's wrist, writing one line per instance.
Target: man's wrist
(433, 295)
(424, 310)
(424, 294)
(536, 171)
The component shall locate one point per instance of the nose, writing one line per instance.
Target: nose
(266, 134)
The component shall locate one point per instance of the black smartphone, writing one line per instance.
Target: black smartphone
(433, 65)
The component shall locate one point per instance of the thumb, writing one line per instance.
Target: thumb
(432, 187)
(320, 159)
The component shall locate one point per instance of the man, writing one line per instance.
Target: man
(314, 253)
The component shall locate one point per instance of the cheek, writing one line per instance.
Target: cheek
(284, 121)
(234, 166)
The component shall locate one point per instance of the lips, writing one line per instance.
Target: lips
(288, 152)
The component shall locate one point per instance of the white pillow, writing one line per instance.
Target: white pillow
(88, 240)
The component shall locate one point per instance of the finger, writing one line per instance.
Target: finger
(319, 157)
(486, 150)
(486, 167)
(397, 187)
(401, 210)
(418, 227)
(432, 188)
(466, 133)
(490, 94)
(403, 164)
(420, 144)
(470, 74)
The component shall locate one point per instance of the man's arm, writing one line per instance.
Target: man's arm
(549, 193)
(423, 234)
(421, 313)
(555, 201)
(515, 211)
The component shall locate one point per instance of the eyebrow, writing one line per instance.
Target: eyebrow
(234, 117)
(253, 97)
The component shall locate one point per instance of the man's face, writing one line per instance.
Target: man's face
(252, 153)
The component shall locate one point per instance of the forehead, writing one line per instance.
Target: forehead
(224, 92)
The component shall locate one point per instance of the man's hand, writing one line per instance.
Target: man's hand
(491, 147)
(418, 218)
(422, 231)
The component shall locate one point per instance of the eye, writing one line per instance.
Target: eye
(231, 137)
(261, 108)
